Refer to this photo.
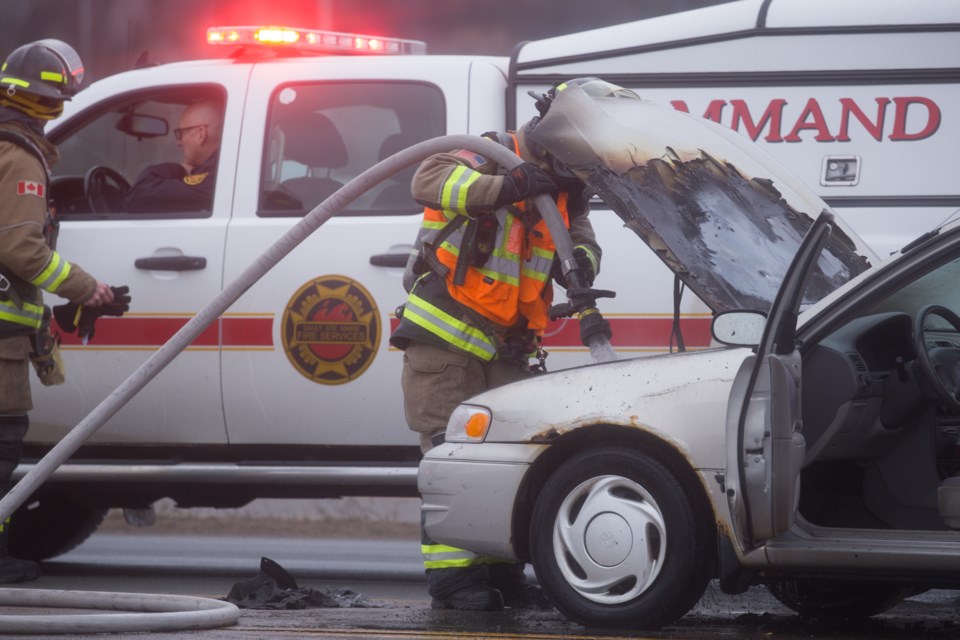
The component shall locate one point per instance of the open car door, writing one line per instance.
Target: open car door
(765, 444)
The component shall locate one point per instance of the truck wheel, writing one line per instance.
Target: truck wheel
(617, 541)
(838, 600)
(51, 525)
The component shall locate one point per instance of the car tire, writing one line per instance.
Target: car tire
(838, 600)
(51, 525)
(616, 540)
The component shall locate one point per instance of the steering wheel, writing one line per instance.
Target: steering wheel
(940, 365)
(104, 189)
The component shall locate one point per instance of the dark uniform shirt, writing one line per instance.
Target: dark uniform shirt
(168, 187)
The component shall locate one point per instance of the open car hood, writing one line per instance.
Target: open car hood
(719, 211)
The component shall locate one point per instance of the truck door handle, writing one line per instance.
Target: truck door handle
(171, 263)
(389, 260)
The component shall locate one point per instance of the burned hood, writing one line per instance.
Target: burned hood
(719, 211)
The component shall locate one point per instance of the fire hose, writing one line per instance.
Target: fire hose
(183, 612)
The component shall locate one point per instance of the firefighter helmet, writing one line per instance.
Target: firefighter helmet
(48, 69)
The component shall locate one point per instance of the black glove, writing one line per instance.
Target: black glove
(525, 181)
(77, 317)
(585, 264)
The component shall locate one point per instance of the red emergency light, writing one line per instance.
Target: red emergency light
(312, 41)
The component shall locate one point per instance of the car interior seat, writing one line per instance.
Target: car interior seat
(396, 190)
(311, 139)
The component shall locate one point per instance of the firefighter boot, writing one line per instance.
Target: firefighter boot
(14, 569)
(462, 588)
(517, 593)
(478, 597)
(12, 431)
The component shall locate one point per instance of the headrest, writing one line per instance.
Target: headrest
(396, 143)
(313, 140)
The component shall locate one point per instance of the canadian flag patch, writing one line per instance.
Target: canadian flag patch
(29, 188)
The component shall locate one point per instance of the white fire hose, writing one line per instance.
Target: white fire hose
(168, 612)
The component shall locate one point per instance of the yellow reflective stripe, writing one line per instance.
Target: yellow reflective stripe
(53, 76)
(53, 274)
(439, 556)
(447, 328)
(30, 315)
(456, 187)
(536, 275)
(591, 255)
(16, 81)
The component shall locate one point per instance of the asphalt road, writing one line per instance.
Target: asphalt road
(386, 575)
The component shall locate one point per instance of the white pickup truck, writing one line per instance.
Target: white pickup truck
(294, 391)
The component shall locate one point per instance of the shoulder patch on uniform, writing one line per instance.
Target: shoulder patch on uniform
(195, 178)
(473, 159)
(29, 188)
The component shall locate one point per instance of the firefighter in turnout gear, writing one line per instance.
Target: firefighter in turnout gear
(34, 82)
(480, 292)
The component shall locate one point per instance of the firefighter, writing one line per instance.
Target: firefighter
(187, 185)
(479, 297)
(35, 80)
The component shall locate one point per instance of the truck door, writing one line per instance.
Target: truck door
(171, 257)
(765, 445)
(315, 367)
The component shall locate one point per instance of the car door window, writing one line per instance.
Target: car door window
(320, 136)
(105, 152)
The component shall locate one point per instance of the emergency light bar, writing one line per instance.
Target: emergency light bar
(312, 41)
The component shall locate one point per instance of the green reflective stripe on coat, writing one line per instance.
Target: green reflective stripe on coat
(440, 556)
(53, 274)
(455, 189)
(449, 329)
(30, 315)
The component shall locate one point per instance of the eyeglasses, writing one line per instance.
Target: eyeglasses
(178, 133)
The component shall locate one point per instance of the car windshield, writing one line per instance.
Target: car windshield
(719, 211)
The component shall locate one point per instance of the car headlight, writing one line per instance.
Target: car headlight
(468, 423)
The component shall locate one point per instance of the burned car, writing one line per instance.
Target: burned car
(815, 451)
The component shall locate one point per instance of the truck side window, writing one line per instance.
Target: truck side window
(322, 135)
(102, 157)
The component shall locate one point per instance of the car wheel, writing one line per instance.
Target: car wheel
(51, 525)
(840, 600)
(617, 542)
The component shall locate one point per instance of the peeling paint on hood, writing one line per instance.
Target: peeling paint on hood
(721, 213)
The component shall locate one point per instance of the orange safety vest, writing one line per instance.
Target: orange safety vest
(513, 281)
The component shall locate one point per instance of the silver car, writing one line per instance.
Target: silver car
(816, 453)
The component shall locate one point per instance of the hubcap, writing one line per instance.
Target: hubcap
(609, 539)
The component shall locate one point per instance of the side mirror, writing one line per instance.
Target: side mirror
(142, 126)
(738, 328)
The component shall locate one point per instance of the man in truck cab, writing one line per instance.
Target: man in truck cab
(34, 82)
(475, 313)
(187, 185)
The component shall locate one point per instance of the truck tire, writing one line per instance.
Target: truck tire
(51, 525)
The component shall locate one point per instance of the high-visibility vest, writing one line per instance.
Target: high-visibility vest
(509, 282)
(512, 282)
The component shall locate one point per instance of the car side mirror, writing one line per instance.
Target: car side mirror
(738, 328)
(143, 126)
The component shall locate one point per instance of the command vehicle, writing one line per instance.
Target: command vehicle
(295, 391)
